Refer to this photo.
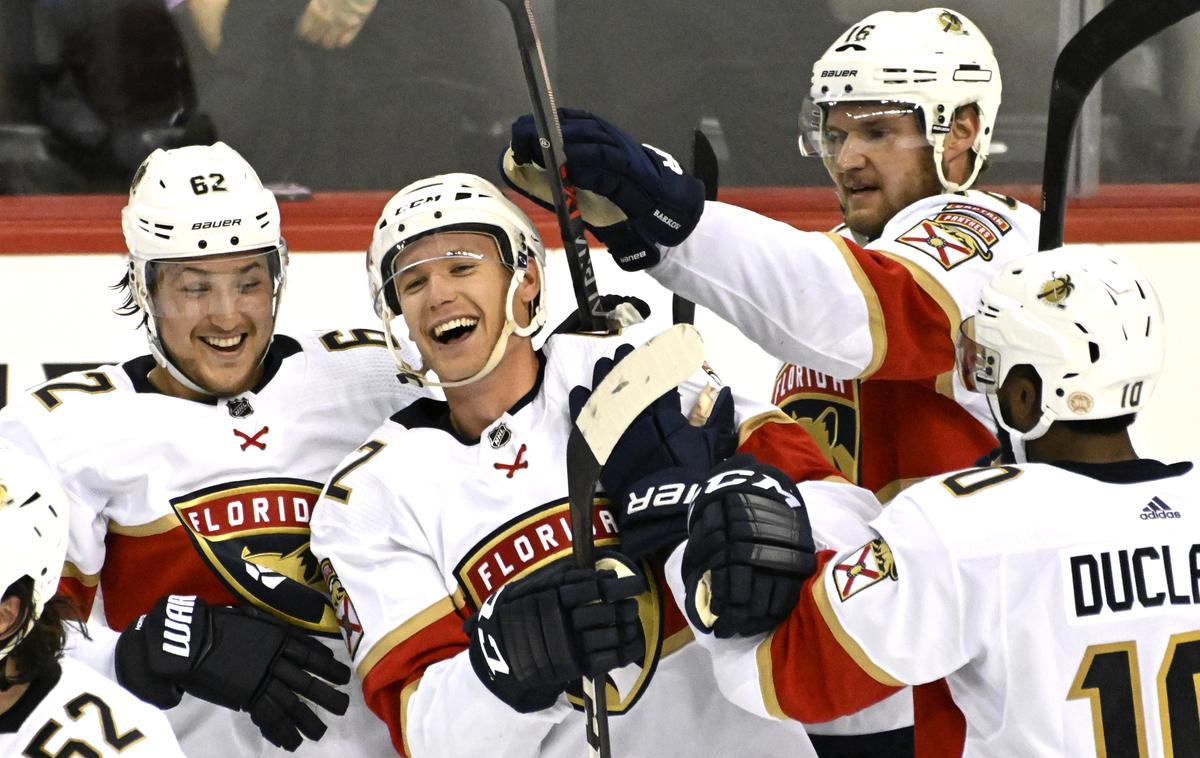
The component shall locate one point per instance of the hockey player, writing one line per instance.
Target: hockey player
(1052, 600)
(457, 511)
(50, 705)
(194, 471)
(904, 108)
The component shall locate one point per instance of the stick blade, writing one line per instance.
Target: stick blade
(636, 381)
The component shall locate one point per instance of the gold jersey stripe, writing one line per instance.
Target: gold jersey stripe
(946, 302)
(893, 488)
(874, 310)
(754, 423)
(677, 641)
(766, 679)
(72, 571)
(160, 525)
(405, 694)
(847, 642)
(422, 619)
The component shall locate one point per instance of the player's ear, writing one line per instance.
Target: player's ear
(531, 284)
(956, 148)
(1021, 398)
(10, 615)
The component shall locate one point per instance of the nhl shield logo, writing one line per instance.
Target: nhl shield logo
(500, 436)
(254, 536)
(239, 407)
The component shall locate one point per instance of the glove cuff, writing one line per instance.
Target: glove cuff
(135, 674)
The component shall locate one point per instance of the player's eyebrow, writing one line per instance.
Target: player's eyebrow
(243, 270)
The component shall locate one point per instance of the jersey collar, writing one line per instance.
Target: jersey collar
(138, 370)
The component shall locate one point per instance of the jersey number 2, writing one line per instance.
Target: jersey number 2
(1108, 676)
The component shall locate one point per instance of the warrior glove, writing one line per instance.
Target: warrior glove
(658, 463)
(632, 197)
(236, 657)
(749, 550)
(537, 636)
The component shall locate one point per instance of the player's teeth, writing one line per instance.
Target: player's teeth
(457, 323)
(223, 341)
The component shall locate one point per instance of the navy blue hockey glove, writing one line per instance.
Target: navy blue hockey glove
(749, 549)
(651, 200)
(656, 462)
(236, 657)
(534, 637)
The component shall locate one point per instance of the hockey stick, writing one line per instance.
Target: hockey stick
(592, 317)
(1121, 26)
(632, 385)
(704, 168)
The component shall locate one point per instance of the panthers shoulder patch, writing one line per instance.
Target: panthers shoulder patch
(957, 233)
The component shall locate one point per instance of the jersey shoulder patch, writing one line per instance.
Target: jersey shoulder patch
(954, 232)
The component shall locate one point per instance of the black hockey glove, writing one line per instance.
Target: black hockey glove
(651, 199)
(236, 657)
(535, 636)
(749, 549)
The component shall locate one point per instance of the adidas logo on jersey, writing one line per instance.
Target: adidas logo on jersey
(1156, 508)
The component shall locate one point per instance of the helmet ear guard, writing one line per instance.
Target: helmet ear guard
(450, 203)
(1084, 319)
(935, 59)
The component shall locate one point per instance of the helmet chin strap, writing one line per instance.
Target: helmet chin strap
(939, 149)
(1017, 438)
(164, 361)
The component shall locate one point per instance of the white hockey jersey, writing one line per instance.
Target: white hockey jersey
(1043, 610)
(211, 499)
(419, 527)
(867, 333)
(75, 711)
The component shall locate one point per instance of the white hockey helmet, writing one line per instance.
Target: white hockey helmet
(934, 60)
(444, 204)
(196, 202)
(33, 532)
(1084, 318)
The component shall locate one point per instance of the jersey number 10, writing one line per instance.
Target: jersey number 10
(1109, 677)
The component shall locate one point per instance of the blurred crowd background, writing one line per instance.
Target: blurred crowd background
(337, 95)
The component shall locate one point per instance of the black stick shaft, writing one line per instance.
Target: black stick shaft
(706, 169)
(1121, 26)
(566, 208)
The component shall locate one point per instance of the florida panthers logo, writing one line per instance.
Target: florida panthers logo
(254, 536)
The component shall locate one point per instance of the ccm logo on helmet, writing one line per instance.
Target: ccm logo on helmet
(216, 224)
(841, 72)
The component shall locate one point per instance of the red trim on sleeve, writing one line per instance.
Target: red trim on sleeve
(139, 570)
(918, 331)
(815, 678)
(939, 727)
(384, 684)
(790, 449)
(80, 595)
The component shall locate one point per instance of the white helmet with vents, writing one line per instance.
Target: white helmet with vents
(33, 532)
(933, 60)
(195, 202)
(443, 204)
(1084, 318)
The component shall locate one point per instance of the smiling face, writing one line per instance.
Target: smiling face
(452, 289)
(215, 317)
(880, 162)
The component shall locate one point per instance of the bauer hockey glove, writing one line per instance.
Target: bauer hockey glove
(236, 657)
(749, 549)
(535, 637)
(634, 196)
